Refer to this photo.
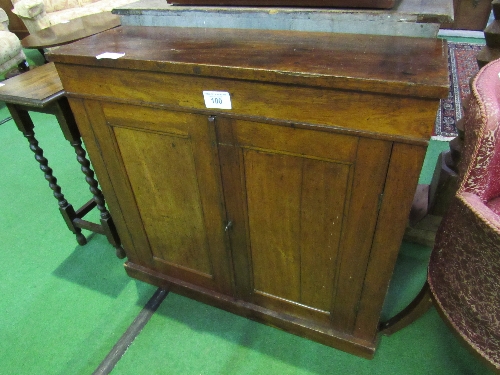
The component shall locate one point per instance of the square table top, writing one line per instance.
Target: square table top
(36, 88)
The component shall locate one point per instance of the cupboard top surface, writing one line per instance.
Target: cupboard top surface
(393, 65)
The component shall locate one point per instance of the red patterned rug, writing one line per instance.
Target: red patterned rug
(462, 66)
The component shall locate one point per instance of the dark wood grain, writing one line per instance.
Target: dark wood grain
(347, 111)
(398, 65)
(35, 88)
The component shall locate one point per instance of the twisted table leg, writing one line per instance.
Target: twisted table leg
(105, 217)
(66, 209)
(60, 108)
(25, 125)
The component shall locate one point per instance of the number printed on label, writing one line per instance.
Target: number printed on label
(217, 99)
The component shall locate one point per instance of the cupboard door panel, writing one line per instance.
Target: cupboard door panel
(295, 210)
(170, 207)
(273, 198)
(324, 190)
(309, 216)
(169, 164)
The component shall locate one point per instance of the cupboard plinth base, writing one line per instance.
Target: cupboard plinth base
(285, 322)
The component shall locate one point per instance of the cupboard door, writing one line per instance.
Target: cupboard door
(304, 206)
(164, 165)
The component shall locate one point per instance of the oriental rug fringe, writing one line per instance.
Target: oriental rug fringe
(462, 66)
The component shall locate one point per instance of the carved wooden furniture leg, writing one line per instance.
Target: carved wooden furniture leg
(40, 90)
(62, 111)
(418, 307)
(107, 225)
(25, 125)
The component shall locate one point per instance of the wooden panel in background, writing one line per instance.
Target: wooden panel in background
(16, 25)
(469, 15)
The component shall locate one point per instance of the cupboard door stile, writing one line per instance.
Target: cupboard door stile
(233, 180)
(404, 171)
(370, 173)
(108, 148)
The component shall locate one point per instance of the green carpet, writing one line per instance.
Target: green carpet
(64, 306)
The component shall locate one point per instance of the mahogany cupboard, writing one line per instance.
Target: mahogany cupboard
(288, 203)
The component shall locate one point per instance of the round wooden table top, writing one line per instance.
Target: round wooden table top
(71, 31)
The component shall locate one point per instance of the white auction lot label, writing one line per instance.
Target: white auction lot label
(217, 99)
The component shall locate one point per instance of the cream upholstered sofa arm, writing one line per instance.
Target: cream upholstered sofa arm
(29, 8)
(4, 21)
(40, 14)
(11, 52)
